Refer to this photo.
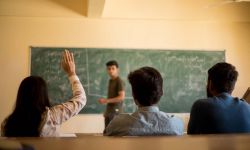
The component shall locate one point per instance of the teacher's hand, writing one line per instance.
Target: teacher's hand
(103, 101)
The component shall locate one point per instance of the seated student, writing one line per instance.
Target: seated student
(220, 112)
(147, 90)
(33, 116)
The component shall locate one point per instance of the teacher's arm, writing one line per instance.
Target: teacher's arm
(117, 99)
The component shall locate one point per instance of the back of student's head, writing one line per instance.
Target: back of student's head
(223, 77)
(146, 84)
(32, 100)
(112, 63)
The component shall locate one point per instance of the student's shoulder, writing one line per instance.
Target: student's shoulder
(176, 121)
(122, 116)
(173, 122)
(122, 119)
(177, 124)
(242, 102)
(202, 102)
(119, 126)
(171, 117)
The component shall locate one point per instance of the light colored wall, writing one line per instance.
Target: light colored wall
(18, 33)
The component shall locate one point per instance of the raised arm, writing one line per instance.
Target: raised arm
(64, 111)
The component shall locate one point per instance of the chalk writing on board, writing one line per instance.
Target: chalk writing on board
(184, 74)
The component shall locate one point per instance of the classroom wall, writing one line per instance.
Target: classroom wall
(18, 33)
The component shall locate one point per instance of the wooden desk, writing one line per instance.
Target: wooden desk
(91, 142)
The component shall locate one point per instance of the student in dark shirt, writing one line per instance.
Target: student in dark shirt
(220, 112)
(116, 93)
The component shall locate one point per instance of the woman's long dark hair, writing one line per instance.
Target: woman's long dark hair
(31, 102)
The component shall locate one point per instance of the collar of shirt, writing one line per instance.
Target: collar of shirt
(224, 96)
(148, 109)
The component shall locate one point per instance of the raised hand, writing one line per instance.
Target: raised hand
(68, 63)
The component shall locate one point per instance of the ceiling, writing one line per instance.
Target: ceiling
(177, 9)
(205, 10)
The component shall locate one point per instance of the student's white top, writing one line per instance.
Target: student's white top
(54, 116)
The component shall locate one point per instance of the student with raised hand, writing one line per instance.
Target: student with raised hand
(220, 112)
(148, 120)
(33, 115)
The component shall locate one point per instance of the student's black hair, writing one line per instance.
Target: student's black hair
(112, 63)
(223, 77)
(146, 84)
(31, 102)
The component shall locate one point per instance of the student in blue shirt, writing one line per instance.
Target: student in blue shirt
(220, 112)
(146, 84)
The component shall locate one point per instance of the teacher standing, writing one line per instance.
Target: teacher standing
(116, 93)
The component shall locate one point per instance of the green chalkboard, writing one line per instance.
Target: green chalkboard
(184, 73)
